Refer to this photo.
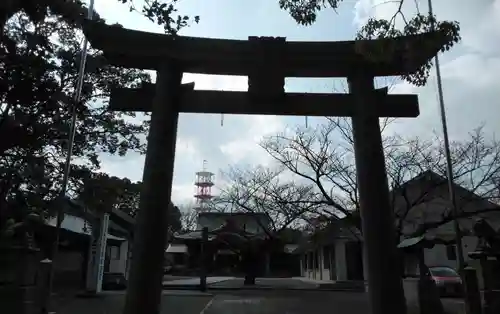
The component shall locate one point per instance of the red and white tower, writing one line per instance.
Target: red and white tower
(204, 182)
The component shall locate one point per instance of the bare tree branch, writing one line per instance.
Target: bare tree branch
(260, 190)
(323, 158)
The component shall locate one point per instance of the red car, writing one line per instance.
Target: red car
(447, 280)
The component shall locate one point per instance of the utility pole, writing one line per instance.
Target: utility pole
(449, 167)
(67, 166)
(449, 173)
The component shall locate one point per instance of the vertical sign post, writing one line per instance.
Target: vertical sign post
(101, 257)
(203, 260)
(90, 285)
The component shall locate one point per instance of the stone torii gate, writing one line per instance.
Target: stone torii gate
(266, 61)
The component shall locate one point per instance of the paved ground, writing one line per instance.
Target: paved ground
(225, 296)
(171, 282)
(113, 304)
(276, 283)
(242, 302)
(256, 302)
(318, 303)
(192, 281)
(173, 277)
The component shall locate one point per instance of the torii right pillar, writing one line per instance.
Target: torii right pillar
(384, 280)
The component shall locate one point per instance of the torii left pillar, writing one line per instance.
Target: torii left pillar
(146, 273)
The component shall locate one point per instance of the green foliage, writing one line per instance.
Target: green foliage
(378, 29)
(74, 12)
(163, 14)
(39, 60)
(174, 218)
(71, 12)
(305, 13)
(37, 80)
(101, 193)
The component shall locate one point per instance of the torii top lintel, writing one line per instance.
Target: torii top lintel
(383, 57)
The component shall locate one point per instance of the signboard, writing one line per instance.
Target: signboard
(97, 256)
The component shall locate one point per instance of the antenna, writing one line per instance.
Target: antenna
(203, 182)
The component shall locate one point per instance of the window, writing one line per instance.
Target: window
(304, 261)
(451, 253)
(316, 259)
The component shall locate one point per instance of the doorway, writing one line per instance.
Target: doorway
(354, 260)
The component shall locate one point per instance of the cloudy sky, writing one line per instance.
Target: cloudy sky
(470, 77)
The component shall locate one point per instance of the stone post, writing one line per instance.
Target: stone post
(365, 266)
(428, 294)
(320, 262)
(146, 272)
(385, 288)
(203, 259)
(490, 278)
(18, 270)
(267, 264)
(473, 293)
(43, 283)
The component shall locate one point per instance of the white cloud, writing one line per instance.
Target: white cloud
(469, 72)
(132, 165)
(380, 9)
(186, 149)
(217, 82)
(245, 145)
(182, 193)
(478, 71)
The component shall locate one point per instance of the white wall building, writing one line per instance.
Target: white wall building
(117, 244)
(335, 254)
(425, 201)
